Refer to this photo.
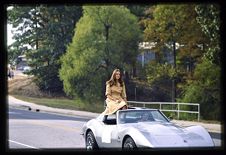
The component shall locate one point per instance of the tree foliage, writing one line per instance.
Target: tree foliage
(156, 71)
(106, 37)
(209, 20)
(196, 29)
(175, 23)
(77, 48)
(173, 29)
(47, 30)
(205, 89)
(21, 18)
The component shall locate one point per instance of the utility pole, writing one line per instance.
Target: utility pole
(107, 60)
(174, 66)
(171, 26)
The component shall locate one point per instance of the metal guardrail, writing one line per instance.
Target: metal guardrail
(171, 103)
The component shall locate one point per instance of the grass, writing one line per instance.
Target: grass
(64, 103)
(23, 88)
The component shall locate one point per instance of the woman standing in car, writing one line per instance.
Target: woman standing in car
(115, 93)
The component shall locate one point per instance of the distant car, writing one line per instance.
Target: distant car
(26, 68)
(142, 128)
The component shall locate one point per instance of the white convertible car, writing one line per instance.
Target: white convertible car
(142, 128)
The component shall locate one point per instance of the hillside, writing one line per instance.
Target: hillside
(24, 86)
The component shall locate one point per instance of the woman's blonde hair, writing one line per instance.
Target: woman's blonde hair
(112, 80)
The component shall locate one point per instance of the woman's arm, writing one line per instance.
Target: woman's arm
(124, 93)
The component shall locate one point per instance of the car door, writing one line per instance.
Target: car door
(115, 138)
(105, 130)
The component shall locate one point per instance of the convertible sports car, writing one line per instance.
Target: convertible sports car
(141, 128)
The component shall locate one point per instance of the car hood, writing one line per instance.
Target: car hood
(161, 134)
(159, 128)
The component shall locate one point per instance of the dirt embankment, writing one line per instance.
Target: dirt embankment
(23, 85)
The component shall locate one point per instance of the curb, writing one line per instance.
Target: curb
(19, 104)
(30, 108)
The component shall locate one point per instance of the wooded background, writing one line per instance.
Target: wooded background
(73, 50)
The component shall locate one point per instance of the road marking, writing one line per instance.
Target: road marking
(24, 144)
(51, 124)
(56, 125)
(11, 112)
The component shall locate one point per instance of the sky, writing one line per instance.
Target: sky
(9, 35)
(9, 28)
(10, 39)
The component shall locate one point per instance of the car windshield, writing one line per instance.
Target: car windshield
(134, 116)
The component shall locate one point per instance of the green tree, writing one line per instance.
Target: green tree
(160, 70)
(140, 11)
(58, 32)
(209, 20)
(205, 90)
(204, 87)
(21, 18)
(48, 30)
(174, 29)
(160, 76)
(106, 37)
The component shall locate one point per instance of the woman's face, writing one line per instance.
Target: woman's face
(117, 75)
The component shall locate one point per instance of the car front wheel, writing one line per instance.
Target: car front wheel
(129, 144)
(91, 143)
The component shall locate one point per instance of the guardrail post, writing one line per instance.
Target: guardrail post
(198, 111)
(173, 103)
(178, 111)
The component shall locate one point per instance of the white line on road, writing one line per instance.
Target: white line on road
(10, 112)
(24, 144)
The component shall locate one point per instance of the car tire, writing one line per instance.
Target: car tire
(91, 143)
(129, 144)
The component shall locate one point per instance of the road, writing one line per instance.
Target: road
(36, 130)
(39, 130)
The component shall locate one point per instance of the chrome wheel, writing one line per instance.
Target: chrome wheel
(129, 144)
(91, 143)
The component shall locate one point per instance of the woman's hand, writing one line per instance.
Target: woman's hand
(118, 101)
(111, 98)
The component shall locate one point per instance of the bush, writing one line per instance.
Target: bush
(205, 90)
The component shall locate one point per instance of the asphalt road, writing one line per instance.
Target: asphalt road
(39, 130)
